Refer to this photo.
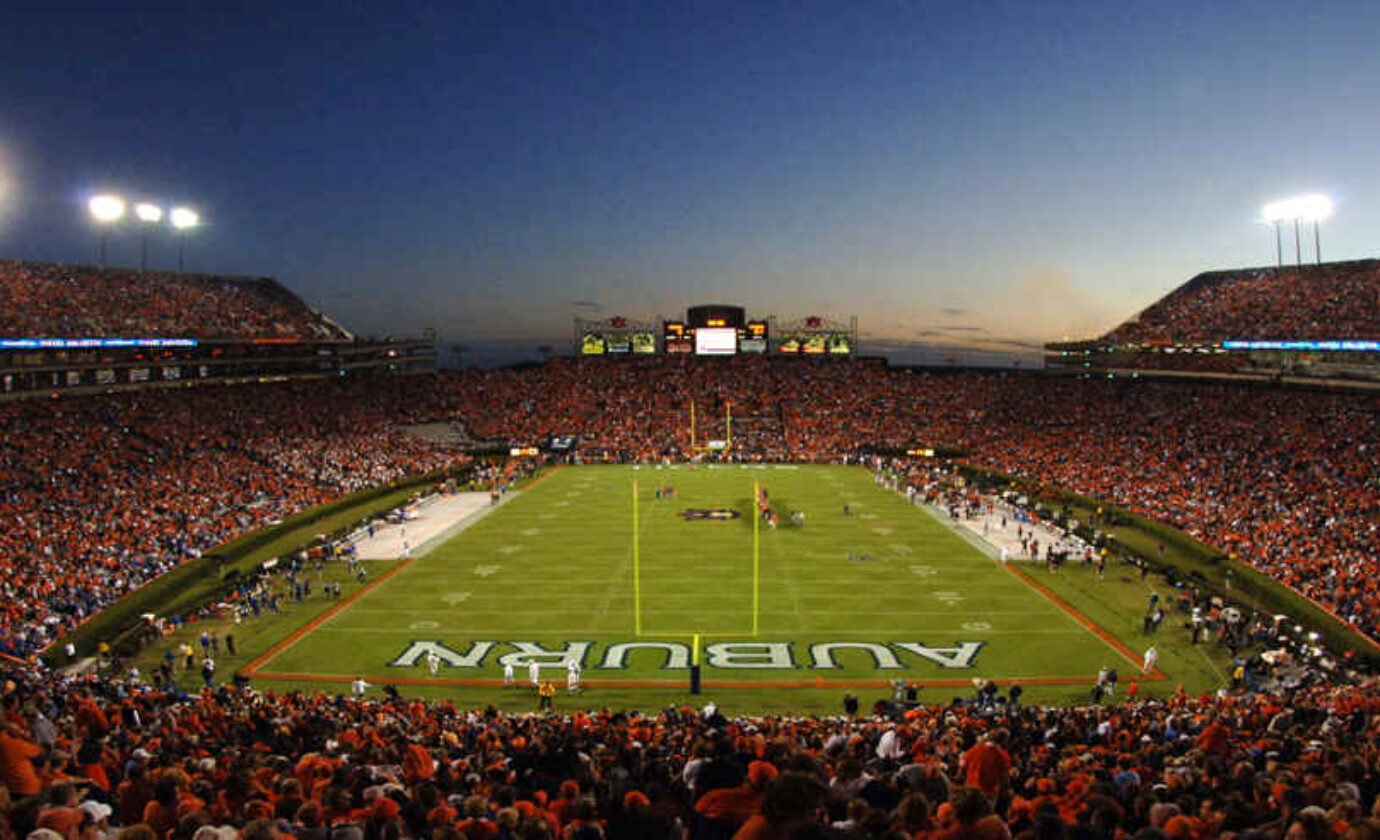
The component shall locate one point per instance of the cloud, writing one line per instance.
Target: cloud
(960, 328)
(953, 310)
(591, 305)
(1046, 304)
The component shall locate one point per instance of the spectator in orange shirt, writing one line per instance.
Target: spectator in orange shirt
(987, 765)
(17, 753)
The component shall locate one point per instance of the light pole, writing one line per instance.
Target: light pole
(106, 210)
(1315, 208)
(150, 215)
(182, 220)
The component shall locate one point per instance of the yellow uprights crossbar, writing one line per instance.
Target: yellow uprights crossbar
(728, 425)
(695, 651)
(637, 570)
(756, 524)
(692, 425)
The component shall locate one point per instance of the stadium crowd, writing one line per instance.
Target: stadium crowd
(47, 300)
(86, 759)
(101, 495)
(1330, 301)
(1284, 479)
(104, 493)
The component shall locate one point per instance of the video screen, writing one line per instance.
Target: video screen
(592, 345)
(617, 341)
(815, 344)
(643, 343)
(716, 341)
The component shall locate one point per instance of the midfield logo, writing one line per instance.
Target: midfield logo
(676, 656)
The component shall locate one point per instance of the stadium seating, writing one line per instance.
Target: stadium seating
(87, 759)
(39, 300)
(1329, 301)
(1284, 479)
(101, 495)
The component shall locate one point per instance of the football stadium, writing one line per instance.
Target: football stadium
(806, 528)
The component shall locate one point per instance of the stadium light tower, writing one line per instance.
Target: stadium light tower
(182, 220)
(1305, 208)
(106, 210)
(150, 215)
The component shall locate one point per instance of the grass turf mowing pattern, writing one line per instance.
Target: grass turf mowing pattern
(555, 566)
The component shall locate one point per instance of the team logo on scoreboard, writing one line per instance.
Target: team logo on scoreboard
(889, 656)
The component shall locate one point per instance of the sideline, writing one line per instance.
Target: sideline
(968, 536)
(252, 668)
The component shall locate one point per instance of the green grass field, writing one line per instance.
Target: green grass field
(845, 603)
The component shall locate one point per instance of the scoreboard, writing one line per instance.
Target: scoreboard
(678, 339)
(753, 338)
(715, 337)
(717, 330)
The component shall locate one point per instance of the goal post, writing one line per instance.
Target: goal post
(711, 444)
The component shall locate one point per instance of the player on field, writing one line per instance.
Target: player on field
(508, 679)
(433, 663)
(572, 677)
(1151, 655)
(534, 673)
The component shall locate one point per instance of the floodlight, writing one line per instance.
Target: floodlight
(1276, 211)
(1312, 208)
(106, 208)
(149, 214)
(182, 218)
(1303, 208)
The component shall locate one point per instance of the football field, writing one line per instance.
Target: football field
(602, 566)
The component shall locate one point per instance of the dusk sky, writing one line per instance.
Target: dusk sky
(946, 171)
